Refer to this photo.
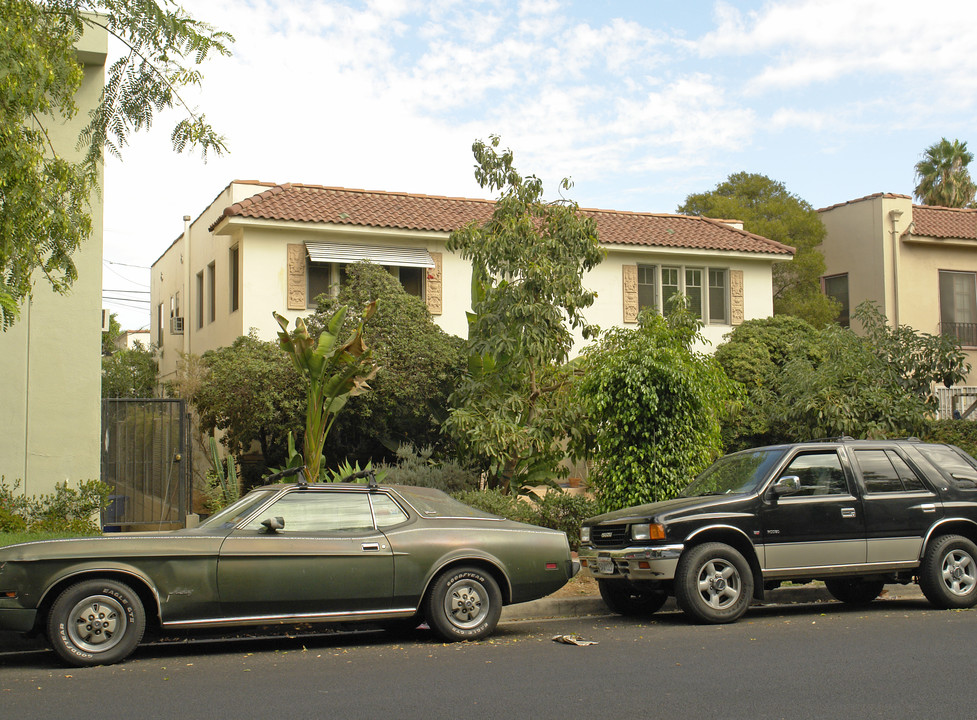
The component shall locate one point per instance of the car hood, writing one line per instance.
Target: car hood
(112, 545)
(660, 510)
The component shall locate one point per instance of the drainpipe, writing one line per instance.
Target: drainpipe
(894, 216)
(187, 305)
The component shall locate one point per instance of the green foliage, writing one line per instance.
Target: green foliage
(962, 433)
(65, 511)
(851, 391)
(803, 383)
(129, 373)
(942, 177)
(418, 467)
(252, 393)
(754, 356)
(556, 509)
(920, 359)
(419, 365)
(653, 407)
(45, 191)
(768, 209)
(223, 487)
(528, 262)
(110, 337)
(333, 372)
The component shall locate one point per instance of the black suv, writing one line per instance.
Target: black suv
(856, 514)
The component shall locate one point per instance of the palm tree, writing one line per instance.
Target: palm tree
(942, 177)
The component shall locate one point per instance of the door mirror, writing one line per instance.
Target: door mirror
(273, 524)
(786, 485)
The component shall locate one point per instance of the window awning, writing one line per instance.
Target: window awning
(340, 253)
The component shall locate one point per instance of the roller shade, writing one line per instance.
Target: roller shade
(399, 256)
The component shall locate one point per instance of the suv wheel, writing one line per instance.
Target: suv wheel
(713, 583)
(948, 574)
(854, 591)
(623, 599)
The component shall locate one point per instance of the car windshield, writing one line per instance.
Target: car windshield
(234, 513)
(736, 474)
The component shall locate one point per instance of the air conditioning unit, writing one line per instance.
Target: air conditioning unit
(176, 326)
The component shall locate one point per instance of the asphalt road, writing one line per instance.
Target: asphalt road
(894, 659)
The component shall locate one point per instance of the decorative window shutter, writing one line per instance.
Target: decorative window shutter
(432, 285)
(736, 297)
(295, 272)
(630, 285)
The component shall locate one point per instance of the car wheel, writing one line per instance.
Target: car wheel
(948, 574)
(713, 583)
(96, 622)
(463, 604)
(623, 599)
(854, 591)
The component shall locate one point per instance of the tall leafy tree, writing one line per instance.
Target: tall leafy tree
(528, 263)
(767, 208)
(45, 192)
(942, 177)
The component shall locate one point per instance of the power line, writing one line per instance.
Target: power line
(138, 267)
(138, 292)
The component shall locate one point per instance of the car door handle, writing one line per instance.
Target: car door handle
(847, 512)
(371, 547)
(928, 508)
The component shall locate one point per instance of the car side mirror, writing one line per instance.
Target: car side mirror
(273, 524)
(786, 485)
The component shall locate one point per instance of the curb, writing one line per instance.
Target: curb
(593, 605)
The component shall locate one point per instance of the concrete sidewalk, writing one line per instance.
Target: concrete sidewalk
(593, 605)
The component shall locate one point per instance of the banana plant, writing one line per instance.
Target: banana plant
(334, 371)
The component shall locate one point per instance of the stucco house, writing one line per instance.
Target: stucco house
(917, 262)
(50, 360)
(260, 247)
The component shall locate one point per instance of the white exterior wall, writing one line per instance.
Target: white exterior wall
(50, 360)
(263, 251)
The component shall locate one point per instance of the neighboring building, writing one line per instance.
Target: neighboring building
(261, 247)
(50, 359)
(130, 339)
(917, 262)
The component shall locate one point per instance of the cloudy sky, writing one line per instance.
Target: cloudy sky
(639, 102)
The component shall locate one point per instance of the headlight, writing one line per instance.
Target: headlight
(647, 531)
(585, 534)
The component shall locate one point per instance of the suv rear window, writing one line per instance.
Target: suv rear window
(951, 464)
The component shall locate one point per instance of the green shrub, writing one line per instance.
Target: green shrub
(416, 467)
(962, 433)
(66, 510)
(556, 509)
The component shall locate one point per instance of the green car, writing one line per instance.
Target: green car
(392, 555)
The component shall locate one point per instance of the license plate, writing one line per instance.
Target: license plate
(605, 566)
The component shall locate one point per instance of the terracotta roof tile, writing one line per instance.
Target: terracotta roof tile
(942, 222)
(344, 206)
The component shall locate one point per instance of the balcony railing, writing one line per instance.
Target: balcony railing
(965, 333)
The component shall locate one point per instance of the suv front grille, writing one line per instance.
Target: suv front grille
(609, 535)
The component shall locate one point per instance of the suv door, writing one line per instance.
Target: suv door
(900, 507)
(820, 525)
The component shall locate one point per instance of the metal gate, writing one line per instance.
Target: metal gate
(146, 463)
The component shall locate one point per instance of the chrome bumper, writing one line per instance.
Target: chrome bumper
(633, 563)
